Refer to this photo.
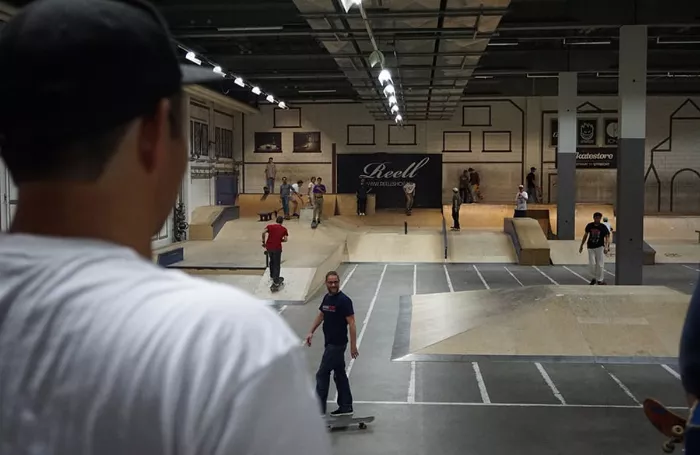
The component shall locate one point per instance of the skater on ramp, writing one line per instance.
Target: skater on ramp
(409, 189)
(456, 204)
(319, 191)
(337, 315)
(276, 235)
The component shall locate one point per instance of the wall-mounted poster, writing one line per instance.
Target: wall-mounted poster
(309, 142)
(611, 130)
(587, 131)
(268, 142)
(554, 132)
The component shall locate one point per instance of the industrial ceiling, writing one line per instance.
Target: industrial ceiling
(439, 51)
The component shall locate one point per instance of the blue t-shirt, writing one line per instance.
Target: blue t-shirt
(689, 357)
(335, 309)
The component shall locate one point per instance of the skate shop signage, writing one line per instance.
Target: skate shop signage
(386, 173)
(611, 129)
(587, 132)
(594, 158)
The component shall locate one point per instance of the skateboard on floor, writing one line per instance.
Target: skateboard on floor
(347, 421)
(668, 423)
(274, 287)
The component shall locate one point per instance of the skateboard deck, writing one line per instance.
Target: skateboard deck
(347, 421)
(666, 422)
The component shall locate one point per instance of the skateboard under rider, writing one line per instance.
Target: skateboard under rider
(347, 421)
(274, 287)
(668, 423)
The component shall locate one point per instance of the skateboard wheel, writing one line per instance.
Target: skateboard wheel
(668, 447)
(677, 430)
(363, 426)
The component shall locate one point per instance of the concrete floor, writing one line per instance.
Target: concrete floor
(488, 407)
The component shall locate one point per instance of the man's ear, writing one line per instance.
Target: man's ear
(152, 132)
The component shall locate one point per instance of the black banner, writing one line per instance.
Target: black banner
(385, 174)
(611, 131)
(593, 158)
(587, 132)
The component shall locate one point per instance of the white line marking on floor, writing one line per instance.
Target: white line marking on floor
(545, 275)
(449, 281)
(622, 386)
(284, 307)
(481, 277)
(480, 381)
(691, 268)
(365, 323)
(415, 280)
(514, 277)
(606, 271)
(347, 278)
(412, 385)
(671, 371)
(510, 405)
(575, 273)
(550, 383)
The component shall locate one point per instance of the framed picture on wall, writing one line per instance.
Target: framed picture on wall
(307, 142)
(611, 131)
(268, 142)
(587, 131)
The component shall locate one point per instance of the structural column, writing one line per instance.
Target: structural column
(566, 157)
(632, 89)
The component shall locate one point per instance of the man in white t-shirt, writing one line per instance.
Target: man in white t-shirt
(101, 351)
(521, 203)
(296, 198)
(312, 184)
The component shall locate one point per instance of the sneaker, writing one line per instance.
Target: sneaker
(339, 413)
(593, 281)
(601, 283)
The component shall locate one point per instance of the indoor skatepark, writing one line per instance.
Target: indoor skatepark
(488, 340)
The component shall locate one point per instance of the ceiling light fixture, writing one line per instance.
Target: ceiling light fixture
(585, 43)
(384, 76)
(256, 90)
(660, 40)
(239, 82)
(502, 43)
(318, 91)
(218, 70)
(398, 118)
(394, 109)
(347, 4)
(250, 29)
(270, 99)
(193, 58)
(392, 100)
(282, 105)
(389, 90)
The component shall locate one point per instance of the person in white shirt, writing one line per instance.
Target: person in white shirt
(312, 183)
(409, 189)
(521, 203)
(296, 198)
(101, 351)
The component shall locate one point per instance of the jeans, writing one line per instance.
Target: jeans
(455, 218)
(596, 259)
(275, 257)
(318, 208)
(361, 205)
(532, 194)
(271, 184)
(285, 205)
(409, 201)
(333, 360)
(465, 195)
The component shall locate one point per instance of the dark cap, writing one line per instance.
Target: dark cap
(72, 68)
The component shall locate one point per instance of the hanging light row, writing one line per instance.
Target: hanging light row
(192, 57)
(390, 93)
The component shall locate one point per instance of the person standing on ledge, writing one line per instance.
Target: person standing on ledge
(456, 204)
(101, 350)
(270, 175)
(337, 315)
(596, 238)
(474, 182)
(521, 203)
(297, 198)
(409, 189)
(531, 181)
(464, 186)
(361, 193)
(285, 196)
(319, 191)
(276, 235)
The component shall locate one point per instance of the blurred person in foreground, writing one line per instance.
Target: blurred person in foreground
(101, 351)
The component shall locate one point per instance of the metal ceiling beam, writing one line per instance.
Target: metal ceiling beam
(386, 13)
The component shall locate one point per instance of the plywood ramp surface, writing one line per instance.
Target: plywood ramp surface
(618, 321)
(347, 204)
(394, 247)
(250, 204)
(420, 218)
(665, 228)
(480, 247)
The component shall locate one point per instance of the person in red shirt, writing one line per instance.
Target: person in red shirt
(276, 234)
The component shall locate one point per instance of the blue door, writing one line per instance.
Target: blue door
(226, 189)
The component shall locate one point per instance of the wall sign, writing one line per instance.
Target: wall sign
(587, 132)
(594, 158)
(386, 173)
(554, 132)
(611, 131)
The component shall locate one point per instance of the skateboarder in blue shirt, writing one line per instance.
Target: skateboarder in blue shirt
(337, 315)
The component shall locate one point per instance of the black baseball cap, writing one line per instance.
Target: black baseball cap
(74, 68)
